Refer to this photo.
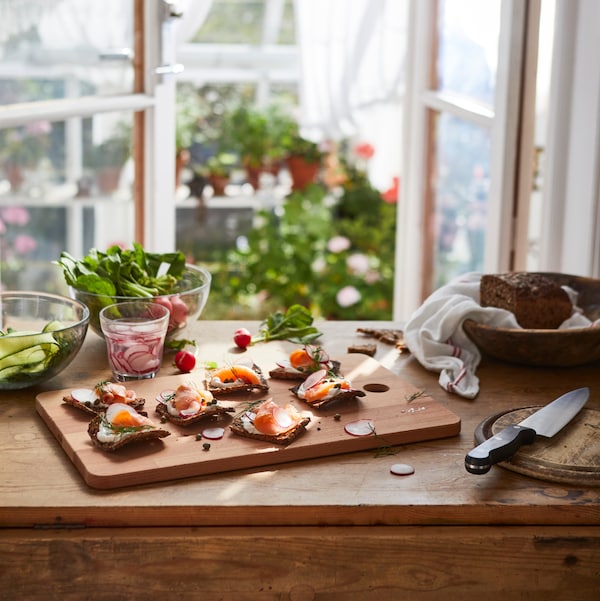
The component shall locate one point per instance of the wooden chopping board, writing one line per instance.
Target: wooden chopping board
(570, 457)
(400, 414)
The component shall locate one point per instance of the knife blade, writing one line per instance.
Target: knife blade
(546, 421)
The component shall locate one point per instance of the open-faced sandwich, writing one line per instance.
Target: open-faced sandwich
(304, 361)
(122, 425)
(99, 398)
(269, 422)
(235, 378)
(320, 389)
(187, 404)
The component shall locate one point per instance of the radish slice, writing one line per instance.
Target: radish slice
(165, 396)
(318, 353)
(361, 427)
(84, 395)
(402, 469)
(283, 418)
(189, 411)
(213, 433)
(313, 379)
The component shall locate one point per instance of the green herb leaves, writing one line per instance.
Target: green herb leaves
(294, 325)
(122, 272)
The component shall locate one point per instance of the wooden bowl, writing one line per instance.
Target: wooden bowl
(547, 348)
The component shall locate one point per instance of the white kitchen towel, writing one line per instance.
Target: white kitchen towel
(434, 333)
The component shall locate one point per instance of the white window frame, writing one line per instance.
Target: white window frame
(570, 238)
(155, 197)
(504, 122)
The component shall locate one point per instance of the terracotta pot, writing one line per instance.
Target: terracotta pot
(301, 172)
(253, 175)
(182, 158)
(14, 174)
(218, 183)
(108, 179)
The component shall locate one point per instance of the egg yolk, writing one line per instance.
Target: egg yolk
(124, 418)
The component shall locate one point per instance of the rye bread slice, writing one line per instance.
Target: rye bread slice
(131, 437)
(238, 387)
(387, 335)
(363, 349)
(210, 410)
(96, 408)
(285, 438)
(283, 373)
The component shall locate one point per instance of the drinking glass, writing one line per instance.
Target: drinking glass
(134, 332)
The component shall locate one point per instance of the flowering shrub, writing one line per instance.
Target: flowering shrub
(331, 252)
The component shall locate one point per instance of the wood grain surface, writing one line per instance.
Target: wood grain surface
(571, 457)
(399, 412)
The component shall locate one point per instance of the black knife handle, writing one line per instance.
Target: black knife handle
(498, 448)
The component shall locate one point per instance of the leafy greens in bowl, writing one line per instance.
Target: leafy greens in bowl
(118, 275)
(40, 334)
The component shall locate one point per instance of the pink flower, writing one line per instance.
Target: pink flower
(372, 276)
(347, 296)
(24, 244)
(358, 263)
(364, 151)
(15, 215)
(338, 244)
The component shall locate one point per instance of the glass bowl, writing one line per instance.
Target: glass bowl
(185, 304)
(41, 334)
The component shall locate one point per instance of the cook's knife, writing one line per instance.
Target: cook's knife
(547, 421)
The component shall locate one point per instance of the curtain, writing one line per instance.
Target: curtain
(352, 59)
(352, 55)
(194, 15)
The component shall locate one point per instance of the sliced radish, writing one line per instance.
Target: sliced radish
(402, 469)
(315, 352)
(284, 364)
(283, 418)
(84, 395)
(189, 411)
(213, 433)
(313, 379)
(361, 427)
(165, 396)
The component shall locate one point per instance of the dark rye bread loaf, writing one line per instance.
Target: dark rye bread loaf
(536, 301)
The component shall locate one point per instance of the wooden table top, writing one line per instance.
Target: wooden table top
(41, 487)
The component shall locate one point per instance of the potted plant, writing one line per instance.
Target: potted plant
(304, 159)
(22, 148)
(247, 129)
(218, 171)
(108, 158)
(187, 119)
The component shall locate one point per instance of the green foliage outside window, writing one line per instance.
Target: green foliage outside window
(334, 255)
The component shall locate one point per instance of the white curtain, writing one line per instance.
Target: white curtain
(194, 15)
(352, 55)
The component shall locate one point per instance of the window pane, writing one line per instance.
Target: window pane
(61, 49)
(63, 186)
(460, 198)
(467, 54)
(233, 22)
